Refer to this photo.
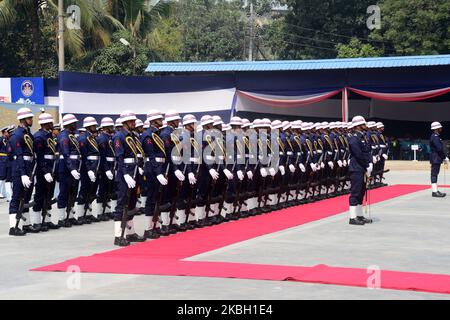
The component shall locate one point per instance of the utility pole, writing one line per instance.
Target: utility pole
(250, 47)
(60, 35)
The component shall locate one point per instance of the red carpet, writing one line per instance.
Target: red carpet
(162, 256)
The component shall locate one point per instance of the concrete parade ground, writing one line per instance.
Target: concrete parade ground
(410, 234)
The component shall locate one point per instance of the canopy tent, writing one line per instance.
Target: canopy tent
(396, 88)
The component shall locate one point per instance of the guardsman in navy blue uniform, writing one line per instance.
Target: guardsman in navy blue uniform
(90, 162)
(360, 164)
(107, 169)
(45, 150)
(127, 171)
(437, 157)
(384, 150)
(3, 161)
(154, 166)
(207, 169)
(174, 173)
(68, 169)
(190, 157)
(117, 128)
(20, 149)
(138, 130)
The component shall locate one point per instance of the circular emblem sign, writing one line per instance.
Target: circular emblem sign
(27, 88)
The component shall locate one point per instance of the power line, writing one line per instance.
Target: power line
(303, 45)
(335, 34)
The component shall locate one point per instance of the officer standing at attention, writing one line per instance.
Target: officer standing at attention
(68, 168)
(127, 161)
(20, 148)
(360, 164)
(90, 161)
(437, 156)
(45, 149)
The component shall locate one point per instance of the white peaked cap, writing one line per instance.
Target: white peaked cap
(68, 119)
(45, 118)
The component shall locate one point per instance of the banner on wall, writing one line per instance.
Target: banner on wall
(5, 90)
(27, 90)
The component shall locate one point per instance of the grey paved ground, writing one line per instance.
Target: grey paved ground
(411, 234)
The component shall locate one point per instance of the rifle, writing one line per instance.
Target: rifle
(124, 221)
(108, 194)
(48, 196)
(173, 206)
(89, 198)
(157, 211)
(22, 205)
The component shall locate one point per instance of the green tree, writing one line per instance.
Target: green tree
(418, 27)
(357, 49)
(212, 30)
(313, 28)
(118, 59)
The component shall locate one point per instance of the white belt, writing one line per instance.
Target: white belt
(319, 151)
(374, 147)
(129, 160)
(110, 159)
(176, 158)
(93, 158)
(26, 158)
(289, 153)
(329, 152)
(49, 157)
(281, 153)
(209, 158)
(139, 155)
(383, 146)
(73, 157)
(160, 160)
(239, 156)
(195, 160)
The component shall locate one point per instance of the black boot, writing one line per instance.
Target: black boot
(135, 238)
(75, 222)
(182, 227)
(438, 194)
(42, 227)
(93, 219)
(30, 229)
(356, 222)
(164, 231)
(365, 220)
(52, 226)
(173, 229)
(65, 224)
(151, 234)
(121, 242)
(16, 232)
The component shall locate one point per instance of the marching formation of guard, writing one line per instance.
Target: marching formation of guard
(181, 173)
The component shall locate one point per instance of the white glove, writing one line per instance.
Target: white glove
(92, 176)
(272, 172)
(191, 178)
(302, 167)
(228, 174)
(446, 159)
(348, 162)
(313, 167)
(240, 175)
(26, 181)
(292, 168)
(331, 164)
(180, 175)
(214, 174)
(250, 175)
(374, 159)
(385, 156)
(263, 172)
(378, 158)
(75, 174)
(322, 165)
(369, 169)
(48, 177)
(340, 164)
(130, 181)
(162, 179)
(109, 175)
(283, 172)
(141, 171)
(345, 163)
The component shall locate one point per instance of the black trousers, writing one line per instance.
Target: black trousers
(435, 168)
(357, 189)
